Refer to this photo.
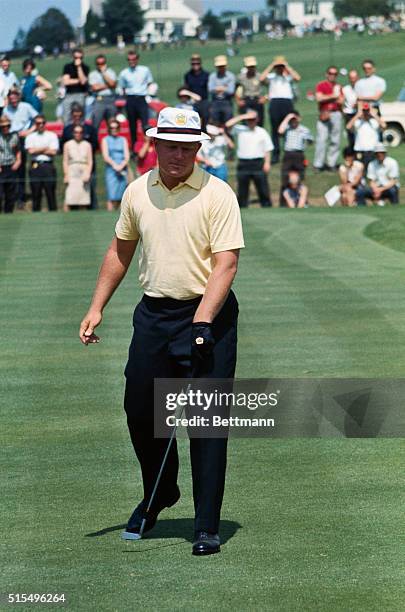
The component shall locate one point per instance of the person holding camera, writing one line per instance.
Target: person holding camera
(366, 125)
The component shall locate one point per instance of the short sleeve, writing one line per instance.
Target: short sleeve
(371, 175)
(225, 225)
(267, 142)
(126, 228)
(383, 84)
(27, 144)
(149, 76)
(93, 78)
(393, 172)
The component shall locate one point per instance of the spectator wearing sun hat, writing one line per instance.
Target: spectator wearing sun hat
(249, 90)
(221, 86)
(280, 77)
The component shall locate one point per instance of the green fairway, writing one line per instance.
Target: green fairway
(310, 524)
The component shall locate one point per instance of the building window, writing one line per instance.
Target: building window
(158, 5)
(311, 7)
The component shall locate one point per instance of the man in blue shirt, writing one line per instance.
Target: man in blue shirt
(21, 115)
(134, 81)
(221, 85)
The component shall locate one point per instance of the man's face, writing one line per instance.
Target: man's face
(366, 114)
(77, 117)
(221, 70)
(5, 64)
(100, 63)
(77, 56)
(195, 65)
(349, 159)
(251, 71)
(368, 69)
(294, 122)
(380, 157)
(353, 77)
(279, 69)
(176, 159)
(331, 75)
(40, 124)
(133, 60)
(14, 100)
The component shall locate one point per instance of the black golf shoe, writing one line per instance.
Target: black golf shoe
(206, 543)
(133, 527)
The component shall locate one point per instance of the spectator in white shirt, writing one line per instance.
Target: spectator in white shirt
(383, 176)
(42, 145)
(212, 154)
(350, 103)
(3, 94)
(7, 74)
(253, 151)
(280, 76)
(351, 174)
(366, 125)
(371, 87)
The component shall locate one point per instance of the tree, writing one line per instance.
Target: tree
(93, 28)
(124, 17)
(19, 42)
(361, 8)
(50, 30)
(212, 23)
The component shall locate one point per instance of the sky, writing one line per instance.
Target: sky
(21, 13)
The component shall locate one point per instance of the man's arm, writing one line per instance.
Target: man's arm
(113, 269)
(284, 124)
(218, 286)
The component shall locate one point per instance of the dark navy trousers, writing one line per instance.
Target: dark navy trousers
(161, 348)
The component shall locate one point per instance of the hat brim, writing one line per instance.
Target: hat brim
(153, 133)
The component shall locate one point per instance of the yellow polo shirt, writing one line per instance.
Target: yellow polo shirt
(179, 230)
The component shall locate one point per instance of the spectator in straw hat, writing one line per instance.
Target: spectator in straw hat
(249, 92)
(221, 86)
(280, 77)
(186, 322)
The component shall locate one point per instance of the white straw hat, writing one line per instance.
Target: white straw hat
(179, 125)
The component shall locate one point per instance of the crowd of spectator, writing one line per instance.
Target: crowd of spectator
(232, 108)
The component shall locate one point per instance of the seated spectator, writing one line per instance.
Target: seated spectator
(296, 136)
(33, 86)
(383, 176)
(77, 166)
(296, 193)
(187, 99)
(115, 151)
(146, 155)
(351, 174)
(366, 125)
(212, 154)
(42, 145)
(253, 152)
(10, 161)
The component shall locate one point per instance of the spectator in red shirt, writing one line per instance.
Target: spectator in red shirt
(329, 96)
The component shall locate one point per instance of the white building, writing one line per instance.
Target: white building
(299, 12)
(162, 17)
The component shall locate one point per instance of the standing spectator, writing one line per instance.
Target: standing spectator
(21, 115)
(213, 152)
(280, 77)
(134, 81)
(383, 174)
(3, 94)
(115, 151)
(10, 161)
(295, 193)
(253, 152)
(221, 86)
(77, 167)
(249, 90)
(75, 81)
(42, 145)
(8, 75)
(366, 125)
(33, 86)
(350, 103)
(351, 174)
(296, 137)
(90, 135)
(329, 96)
(371, 87)
(196, 80)
(102, 82)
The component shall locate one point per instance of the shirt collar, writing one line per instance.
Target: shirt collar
(194, 181)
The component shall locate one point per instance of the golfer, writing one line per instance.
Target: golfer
(188, 226)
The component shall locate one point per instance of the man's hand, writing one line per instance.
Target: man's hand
(90, 322)
(202, 340)
(266, 167)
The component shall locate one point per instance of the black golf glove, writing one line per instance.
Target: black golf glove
(202, 340)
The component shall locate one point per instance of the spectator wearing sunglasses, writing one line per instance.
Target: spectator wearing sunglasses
(330, 97)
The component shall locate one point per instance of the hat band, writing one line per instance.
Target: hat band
(172, 130)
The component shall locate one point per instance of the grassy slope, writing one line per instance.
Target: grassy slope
(316, 523)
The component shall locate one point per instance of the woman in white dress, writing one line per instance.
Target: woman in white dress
(77, 165)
